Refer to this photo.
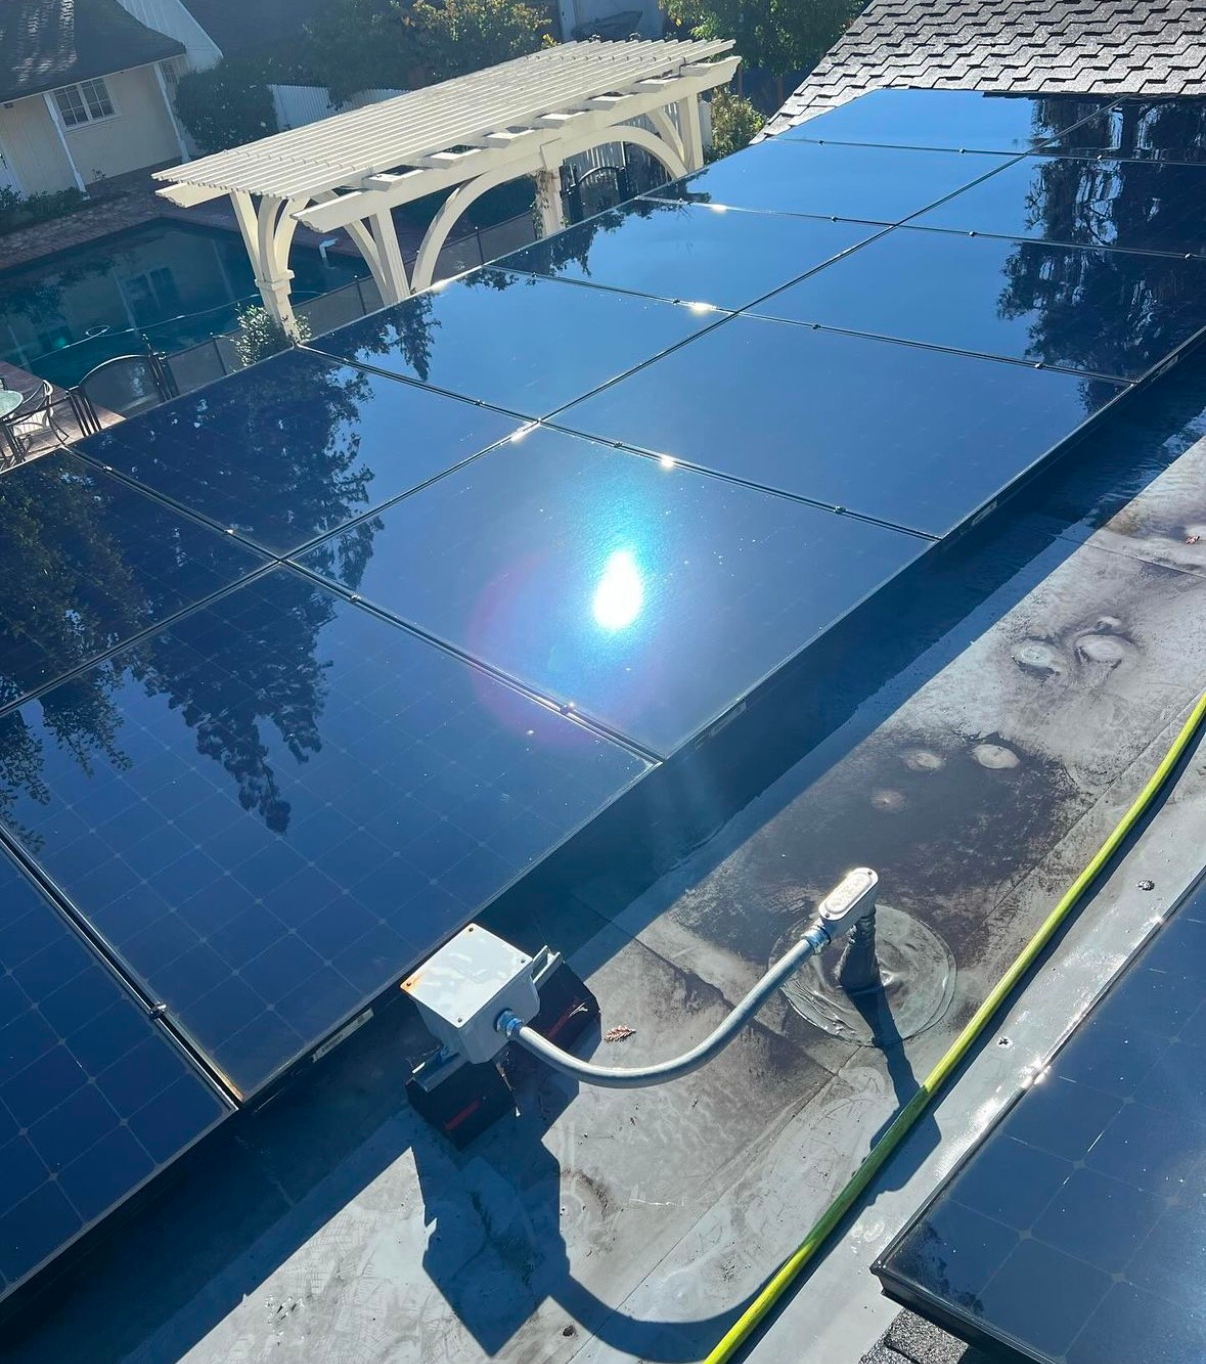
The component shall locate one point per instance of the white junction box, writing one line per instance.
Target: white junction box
(462, 989)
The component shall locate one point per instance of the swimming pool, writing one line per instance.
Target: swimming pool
(173, 283)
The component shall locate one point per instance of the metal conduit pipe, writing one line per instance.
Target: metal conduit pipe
(852, 903)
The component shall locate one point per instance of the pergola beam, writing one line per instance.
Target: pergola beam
(341, 150)
(523, 118)
(522, 151)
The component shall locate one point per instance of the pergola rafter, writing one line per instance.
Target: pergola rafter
(522, 118)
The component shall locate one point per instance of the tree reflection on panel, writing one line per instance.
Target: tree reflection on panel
(1110, 311)
(89, 563)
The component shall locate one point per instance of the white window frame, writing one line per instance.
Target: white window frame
(83, 103)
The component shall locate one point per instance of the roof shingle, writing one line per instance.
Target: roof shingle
(1118, 47)
(45, 44)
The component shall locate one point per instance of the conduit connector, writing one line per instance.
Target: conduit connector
(858, 971)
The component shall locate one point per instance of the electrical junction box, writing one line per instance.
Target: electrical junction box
(461, 990)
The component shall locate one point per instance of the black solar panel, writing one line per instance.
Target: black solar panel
(88, 562)
(967, 120)
(640, 594)
(690, 251)
(1147, 130)
(915, 437)
(296, 447)
(274, 808)
(1074, 1233)
(1134, 205)
(872, 184)
(1109, 312)
(520, 342)
(94, 1095)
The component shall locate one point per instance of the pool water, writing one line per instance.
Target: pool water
(173, 284)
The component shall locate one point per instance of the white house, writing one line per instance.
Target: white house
(85, 88)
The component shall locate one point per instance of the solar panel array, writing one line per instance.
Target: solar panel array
(301, 671)
(1074, 1232)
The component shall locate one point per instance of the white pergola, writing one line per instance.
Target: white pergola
(523, 118)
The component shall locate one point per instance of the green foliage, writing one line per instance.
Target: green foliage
(735, 122)
(359, 45)
(226, 106)
(459, 36)
(781, 36)
(261, 335)
(17, 210)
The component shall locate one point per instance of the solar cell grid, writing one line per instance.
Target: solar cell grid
(1074, 1231)
(520, 342)
(94, 1096)
(971, 120)
(870, 184)
(690, 251)
(290, 802)
(913, 437)
(1117, 313)
(296, 447)
(1079, 201)
(636, 592)
(88, 562)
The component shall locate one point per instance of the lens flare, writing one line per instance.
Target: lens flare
(620, 594)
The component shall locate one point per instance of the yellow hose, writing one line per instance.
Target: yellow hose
(741, 1330)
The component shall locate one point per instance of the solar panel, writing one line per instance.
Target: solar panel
(522, 343)
(873, 184)
(1074, 1232)
(94, 1095)
(1117, 313)
(967, 120)
(87, 563)
(914, 437)
(690, 251)
(640, 594)
(296, 446)
(271, 810)
(1156, 130)
(1134, 205)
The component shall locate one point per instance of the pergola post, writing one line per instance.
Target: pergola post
(269, 261)
(389, 257)
(691, 132)
(548, 199)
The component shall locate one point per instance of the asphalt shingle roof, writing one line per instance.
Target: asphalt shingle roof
(48, 43)
(1112, 47)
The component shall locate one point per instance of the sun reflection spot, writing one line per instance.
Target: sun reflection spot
(620, 594)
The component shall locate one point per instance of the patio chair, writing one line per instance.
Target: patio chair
(127, 385)
(33, 423)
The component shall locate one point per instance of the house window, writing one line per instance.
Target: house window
(84, 103)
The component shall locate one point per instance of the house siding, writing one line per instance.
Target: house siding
(140, 135)
(32, 147)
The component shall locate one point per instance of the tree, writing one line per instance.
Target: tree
(261, 335)
(359, 45)
(781, 36)
(226, 106)
(459, 36)
(735, 122)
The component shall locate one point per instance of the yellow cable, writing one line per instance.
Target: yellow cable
(786, 1274)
